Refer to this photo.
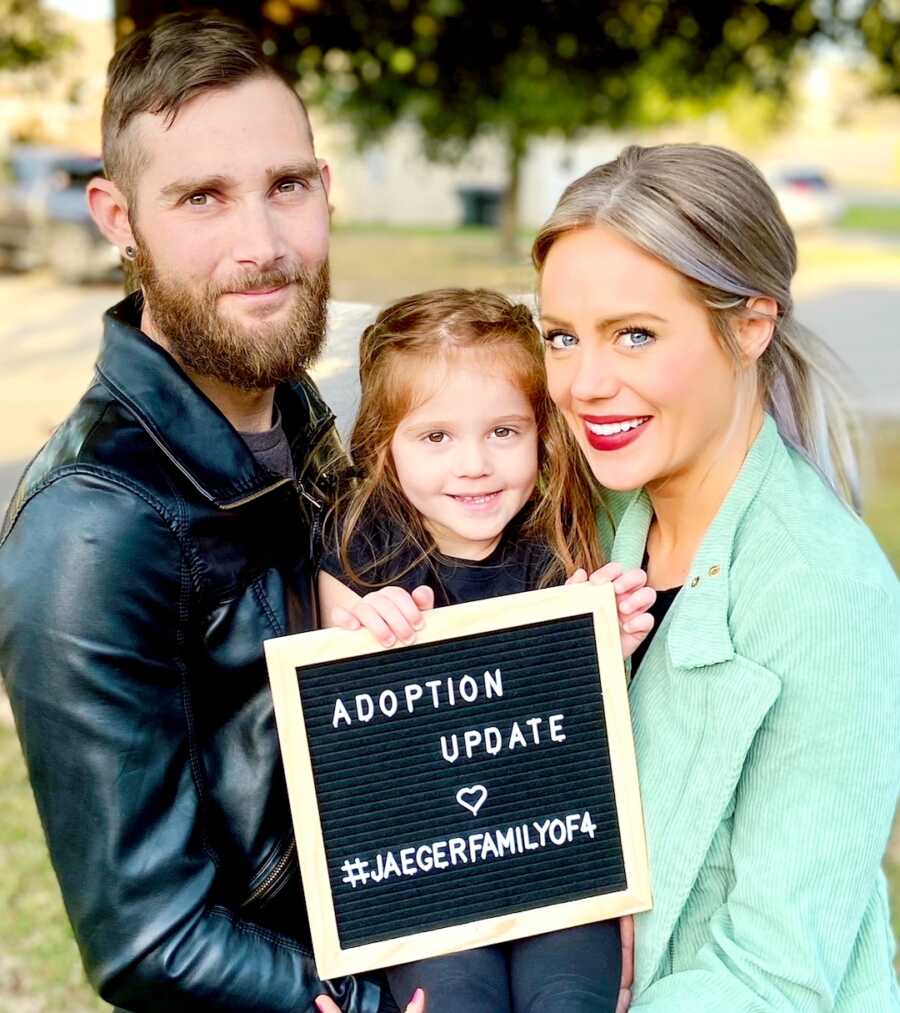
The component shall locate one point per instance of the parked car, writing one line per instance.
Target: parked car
(44, 220)
(807, 197)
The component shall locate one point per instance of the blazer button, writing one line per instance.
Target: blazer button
(695, 581)
(714, 571)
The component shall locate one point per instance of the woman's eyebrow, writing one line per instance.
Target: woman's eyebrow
(602, 325)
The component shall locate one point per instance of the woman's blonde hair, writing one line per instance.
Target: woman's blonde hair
(416, 336)
(710, 215)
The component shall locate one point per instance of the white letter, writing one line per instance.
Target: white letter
(407, 861)
(424, 859)
(516, 738)
(340, 713)
(437, 851)
(556, 732)
(364, 698)
(391, 698)
(444, 751)
(561, 827)
(472, 738)
(572, 821)
(588, 826)
(493, 684)
(412, 692)
(464, 683)
(458, 850)
(492, 735)
(433, 686)
(534, 722)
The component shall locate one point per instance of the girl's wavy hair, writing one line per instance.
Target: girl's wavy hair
(413, 338)
(709, 214)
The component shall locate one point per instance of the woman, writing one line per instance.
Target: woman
(767, 705)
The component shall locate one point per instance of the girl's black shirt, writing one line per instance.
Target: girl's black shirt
(516, 564)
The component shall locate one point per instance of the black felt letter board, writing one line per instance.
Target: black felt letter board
(385, 785)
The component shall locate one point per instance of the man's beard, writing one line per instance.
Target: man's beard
(247, 356)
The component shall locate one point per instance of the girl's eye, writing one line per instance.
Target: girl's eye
(503, 432)
(635, 337)
(560, 340)
(436, 437)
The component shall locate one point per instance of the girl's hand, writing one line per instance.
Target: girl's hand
(416, 1004)
(633, 598)
(390, 614)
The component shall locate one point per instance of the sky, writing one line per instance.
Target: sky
(90, 10)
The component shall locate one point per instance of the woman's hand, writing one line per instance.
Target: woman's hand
(416, 1004)
(626, 930)
(633, 598)
(390, 614)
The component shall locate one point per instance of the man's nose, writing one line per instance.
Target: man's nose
(257, 241)
(595, 377)
(472, 459)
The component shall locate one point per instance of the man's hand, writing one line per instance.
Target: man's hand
(416, 1004)
(626, 929)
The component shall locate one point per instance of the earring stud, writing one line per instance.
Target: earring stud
(130, 252)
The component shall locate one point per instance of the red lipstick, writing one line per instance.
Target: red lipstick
(620, 437)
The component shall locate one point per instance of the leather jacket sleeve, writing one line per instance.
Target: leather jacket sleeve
(94, 607)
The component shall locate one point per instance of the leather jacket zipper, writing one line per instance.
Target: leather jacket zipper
(274, 876)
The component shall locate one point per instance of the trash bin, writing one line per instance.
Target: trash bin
(481, 204)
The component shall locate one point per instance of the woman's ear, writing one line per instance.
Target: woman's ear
(757, 327)
(109, 209)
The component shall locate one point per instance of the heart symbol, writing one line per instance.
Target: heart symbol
(472, 798)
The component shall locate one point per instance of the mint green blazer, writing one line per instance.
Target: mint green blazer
(767, 728)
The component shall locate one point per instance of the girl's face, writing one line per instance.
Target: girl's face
(467, 457)
(633, 362)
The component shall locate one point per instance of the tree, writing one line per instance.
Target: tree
(880, 27)
(461, 68)
(28, 34)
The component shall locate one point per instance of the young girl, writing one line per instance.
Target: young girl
(470, 487)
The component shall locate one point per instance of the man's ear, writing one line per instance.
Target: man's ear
(325, 173)
(109, 209)
(757, 327)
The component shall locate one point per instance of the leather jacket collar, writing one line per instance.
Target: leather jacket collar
(185, 424)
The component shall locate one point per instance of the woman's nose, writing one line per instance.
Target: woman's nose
(594, 378)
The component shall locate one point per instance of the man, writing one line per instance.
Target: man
(166, 530)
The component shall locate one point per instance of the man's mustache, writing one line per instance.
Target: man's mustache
(256, 281)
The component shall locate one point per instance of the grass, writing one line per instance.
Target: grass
(876, 218)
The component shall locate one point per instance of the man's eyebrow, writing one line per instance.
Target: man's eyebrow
(601, 325)
(306, 170)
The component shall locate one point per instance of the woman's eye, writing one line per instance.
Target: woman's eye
(560, 339)
(436, 437)
(635, 338)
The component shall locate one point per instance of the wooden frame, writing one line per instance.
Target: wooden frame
(285, 654)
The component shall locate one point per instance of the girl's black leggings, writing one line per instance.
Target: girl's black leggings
(572, 971)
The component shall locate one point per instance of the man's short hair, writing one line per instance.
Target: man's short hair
(160, 68)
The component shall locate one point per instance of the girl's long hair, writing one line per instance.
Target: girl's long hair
(417, 336)
(709, 214)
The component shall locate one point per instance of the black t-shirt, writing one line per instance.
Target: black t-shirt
(516, 564)
(271, 448)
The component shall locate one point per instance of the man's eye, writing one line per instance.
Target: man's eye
(560, 339)
(291, 186)
(198, 200)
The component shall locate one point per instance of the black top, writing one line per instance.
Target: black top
(515, 565)
(658, 610)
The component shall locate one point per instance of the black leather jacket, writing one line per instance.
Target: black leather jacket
(145, 557)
